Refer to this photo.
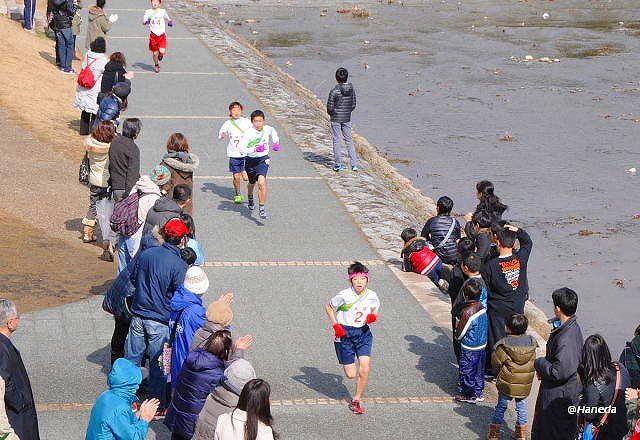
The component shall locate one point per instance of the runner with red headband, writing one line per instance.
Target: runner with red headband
(351, 312)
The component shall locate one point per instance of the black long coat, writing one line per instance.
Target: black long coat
(559, 386)
(18, 397)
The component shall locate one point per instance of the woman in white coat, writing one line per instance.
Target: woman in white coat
(87, 98)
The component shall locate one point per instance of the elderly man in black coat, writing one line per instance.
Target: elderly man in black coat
(557, 371)
(18, 397)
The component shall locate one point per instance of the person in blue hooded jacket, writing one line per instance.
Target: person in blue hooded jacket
(187, 316)
(112, 416)
(202, 371)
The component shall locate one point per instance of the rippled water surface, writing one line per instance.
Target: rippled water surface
(441, 83)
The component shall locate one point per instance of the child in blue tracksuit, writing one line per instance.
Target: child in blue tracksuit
(471, 331)
(187, 316)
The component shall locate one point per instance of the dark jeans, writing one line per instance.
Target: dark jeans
(471, 373)
(120, 332)
(86, 121)
(29, 13)
(65, 47)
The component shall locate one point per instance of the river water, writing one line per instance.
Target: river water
(446, 93)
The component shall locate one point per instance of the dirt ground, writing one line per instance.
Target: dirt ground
(43, 261)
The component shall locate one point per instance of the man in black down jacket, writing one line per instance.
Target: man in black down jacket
(559, 386)
(18, 396)
(341, 102)
(124, 159)
(443, 231)
(63, 12)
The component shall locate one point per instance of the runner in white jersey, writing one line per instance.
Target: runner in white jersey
(235, 129)
(351, 312)
(259, 139)
(155, 19)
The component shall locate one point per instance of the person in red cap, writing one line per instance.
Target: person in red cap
(156, 274)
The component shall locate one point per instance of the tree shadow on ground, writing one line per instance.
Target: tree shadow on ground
(101, 357)
(100, 289)
(321, 159)
(228, 205)
(436, 361)
(47, 57)
(143, 66)
(331, 385)
(479, 416)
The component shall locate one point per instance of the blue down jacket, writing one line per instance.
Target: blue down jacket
(109, 109)
(201, 373)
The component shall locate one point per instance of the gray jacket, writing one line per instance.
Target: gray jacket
(559, 386)
(341, 102)
(164, 210)
(220, 401)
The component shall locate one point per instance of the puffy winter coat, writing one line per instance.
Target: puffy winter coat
(417, 257)
(512, 363)
(181, 165)
(164, 210)
(201, 373)
(87, 99)
(109, 109)
(158, 272)
(630, 358)
(341, 102)
(192, 317)
(124, 163)
(98, 25)
(149, 194)
(435, 230)
(77, 19)
(113, 73)
(111, 416)
(221, 401)
(472, 326)
(559, 386)
(98, 162)
(63, 12)
(120, 290)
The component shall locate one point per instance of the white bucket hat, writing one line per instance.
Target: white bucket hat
(196, 280)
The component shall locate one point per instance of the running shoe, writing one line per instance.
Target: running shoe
(354, 406)
(251, 204)
(465, 399)
(156, 68)
(354, 169)
(480, 398)
(338, 168)
(263, 213)
(237, 199)
(160, 414)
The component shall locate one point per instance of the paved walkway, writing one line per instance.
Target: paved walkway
(282, 271)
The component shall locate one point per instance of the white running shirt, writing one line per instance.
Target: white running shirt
(156, 19)
(253, 138)
(236, 145)
(351, 309)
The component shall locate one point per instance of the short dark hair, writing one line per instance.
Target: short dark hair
(472, 289)
(497, 226)
(444, 205)
(181, 193)
(473, 262)
(235, 104)
(342, 75)
(566, 300)
(482, 218)
(506, 237)
(257, 114)
(188, 255)
(172, 240)
(357, 267)
(407, 234)
(131, 128)
(100, 3)
(517, 323)
(466, 246)
(98, 45)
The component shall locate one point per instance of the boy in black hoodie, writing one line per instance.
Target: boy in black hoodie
(341, 102)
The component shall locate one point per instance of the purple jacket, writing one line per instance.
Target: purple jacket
(201, 373)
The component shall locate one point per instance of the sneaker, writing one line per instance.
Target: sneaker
(107, 255)
(465, 399)
(72, 72)
(156, 68)
(338, 168)
(480, 398)
(160, 414)
(354, 406)
(238, 199)
(354, 169)
(263, 213)
(251, 204)
(489, 377)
